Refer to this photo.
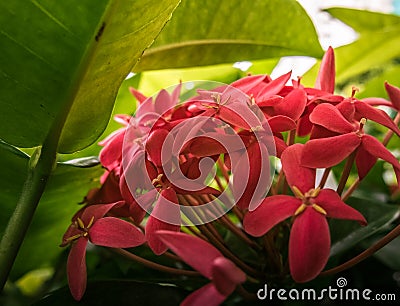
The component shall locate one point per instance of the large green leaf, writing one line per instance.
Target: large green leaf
(378, 44)
(67, 186)
(61, 57)
(364, 21)
(211, 32)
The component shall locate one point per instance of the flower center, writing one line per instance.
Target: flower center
(82, 227)
(307, 200)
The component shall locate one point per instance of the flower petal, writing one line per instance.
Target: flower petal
(165, 216)
(111, 153)
(377, 115)
(394, 95)
(330, 118)
(327, 152)
(226, 275)
(247, 83)
(273, 210)
(206, 295)
(76, 268)
(273, 87)
(258, 174)
(364, 161)
(292, 105)
(97, 211)
(154, 145)
(137, 94)
(115, 233)
(326, 75)
(377, 149)
(309, 245)
(196, 252)
(297, 175)
(331, 202)
(281, 123)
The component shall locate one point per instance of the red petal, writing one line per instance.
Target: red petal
(330, 118)
(259, 175)
(309, 245)
(281, 123)
(163, 102)
(347, 109)
(165, 216)
(327, 152)
(111, 153)
(206, 295)
(226, 275)
(76, 268)
(97, 211)
(377, 115)
(364, 161)
(196, 252)
(238, 115)
(280, 146)
(378, 102)
(394, 95)
(331, 202)
(115, 233)
(137, 94)
(377, 149)
(273, 210)
(326, 75)
(247, 83)
(154, 145)
(273, 87)
(292, 105)
(296, 175)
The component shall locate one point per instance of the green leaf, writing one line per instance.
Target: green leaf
(121, 293)
(124, 104)
(67, 186)
(346, 234)
(364, 21)
(69, 58)
(213, 32)
(378, 44)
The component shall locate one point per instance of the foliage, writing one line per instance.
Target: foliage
(63, 76)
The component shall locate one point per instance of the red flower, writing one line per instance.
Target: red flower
(206, 259)
(327, 152)
(91, 225)
(309, 242)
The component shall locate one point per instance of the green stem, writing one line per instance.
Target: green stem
(41, 165)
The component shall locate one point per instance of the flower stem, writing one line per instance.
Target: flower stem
(40, 166)
(346, 172)
(153, 265)
(368, 252)
(324, 178)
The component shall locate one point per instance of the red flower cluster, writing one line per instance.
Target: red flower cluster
(163, 162)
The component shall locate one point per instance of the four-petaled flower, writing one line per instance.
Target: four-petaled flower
(309, 242)
(89, 224)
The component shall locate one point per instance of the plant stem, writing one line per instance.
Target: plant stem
(153, 265)
(40, 167)
(346, 172)
(368, 252)
(324, 177)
